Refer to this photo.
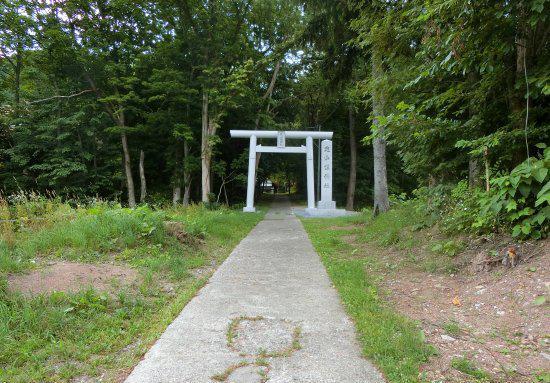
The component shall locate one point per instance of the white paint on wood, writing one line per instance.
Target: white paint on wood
(281, 140)
(275, 149)
(251, 176)
(289, 134)
(326, 201)
(310, 176)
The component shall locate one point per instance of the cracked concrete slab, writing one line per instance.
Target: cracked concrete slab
(274, 274)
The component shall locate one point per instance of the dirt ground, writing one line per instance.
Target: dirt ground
(72, 277)
(498, 318)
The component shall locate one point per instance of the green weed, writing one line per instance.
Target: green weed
(452, 328)
(467, 367)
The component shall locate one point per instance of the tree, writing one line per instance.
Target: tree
(107, 39)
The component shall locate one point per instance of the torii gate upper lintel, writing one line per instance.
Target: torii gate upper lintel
(326, 201)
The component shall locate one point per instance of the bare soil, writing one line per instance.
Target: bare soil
(489, 315)
(490, 318)
(72, 277)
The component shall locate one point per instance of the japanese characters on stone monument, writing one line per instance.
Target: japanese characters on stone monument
(326, 201)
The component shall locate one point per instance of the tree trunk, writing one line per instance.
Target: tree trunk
(143, 189)
(18, 69)
(519, 106)
(381, 198)
(205, 149)
(487, 170)
(474, 173)
(128, 171)
(176, 179)
(186, 175)
(266, 96)
(268, 92)
(352, 161)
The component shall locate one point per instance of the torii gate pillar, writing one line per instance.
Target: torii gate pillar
(251, 181)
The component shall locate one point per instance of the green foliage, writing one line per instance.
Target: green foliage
(452, 328)
(522, 198)
(455, 209)
(517, 202)
(467, 367)
(449, 248)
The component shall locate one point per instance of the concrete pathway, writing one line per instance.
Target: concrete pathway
(268, 314)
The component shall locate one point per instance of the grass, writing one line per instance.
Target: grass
(394, 343)
(63, 336)
(452, 328)
(468, 367)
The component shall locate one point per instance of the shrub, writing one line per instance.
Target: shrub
(455, 208)
(462, 212)
(522, 198)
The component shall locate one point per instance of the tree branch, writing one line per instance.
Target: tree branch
(65, 97)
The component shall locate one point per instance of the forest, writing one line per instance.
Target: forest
(121, 190)
(133, 101)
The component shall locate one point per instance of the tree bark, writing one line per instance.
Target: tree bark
(186, 175)
(352, 161)
(519, 105)
(268, 92)
(381, 198)
(176, 179)
(266, 96)
(205, 149)
(474, 172)
(487, 170)
(128, 171)
(18, 68)
(143, 184)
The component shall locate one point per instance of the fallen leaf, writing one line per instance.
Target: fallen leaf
(456, 301)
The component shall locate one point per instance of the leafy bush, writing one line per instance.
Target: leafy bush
(463, 211)
(518, 201)
(450, 248)
(456, 209)
(522, 198)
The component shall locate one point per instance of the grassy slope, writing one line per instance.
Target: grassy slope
(59, 337)
(394, 343)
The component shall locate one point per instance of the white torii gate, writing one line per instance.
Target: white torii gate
(326, 201)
